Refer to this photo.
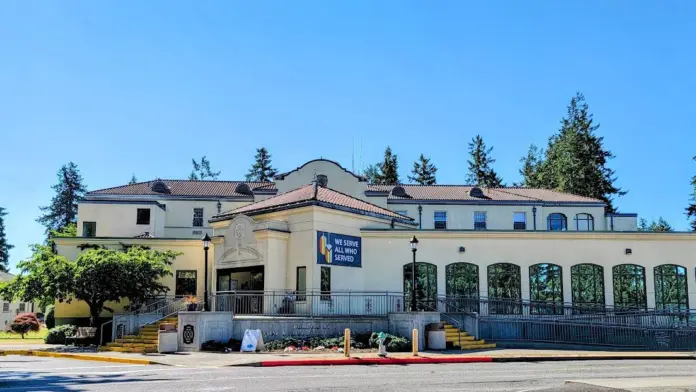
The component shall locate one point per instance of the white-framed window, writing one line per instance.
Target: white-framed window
(440, 218)
(22, 307)
(480, 220)
(197, 217)
(6, 307)
(519, 220)
(402, 212)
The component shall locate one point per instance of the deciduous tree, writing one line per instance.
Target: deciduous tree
(24, 323)
(423, 171)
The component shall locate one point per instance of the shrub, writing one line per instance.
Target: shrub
(234, 344)
(50, 319)
(359, 341)
(57, 335)
(213, 345)
(25, 322)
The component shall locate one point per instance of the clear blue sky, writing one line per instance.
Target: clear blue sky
(123, 87)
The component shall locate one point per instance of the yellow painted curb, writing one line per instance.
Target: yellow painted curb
(83, 357)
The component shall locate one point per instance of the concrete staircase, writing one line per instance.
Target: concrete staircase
(462, 340)
(144, 342)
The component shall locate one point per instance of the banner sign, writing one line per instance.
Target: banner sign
(338, 249)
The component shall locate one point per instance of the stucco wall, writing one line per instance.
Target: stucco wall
(339, 179)
(120, 220)
(179, 217)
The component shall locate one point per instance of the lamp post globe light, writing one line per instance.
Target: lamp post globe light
(414, 249)
(206, 246)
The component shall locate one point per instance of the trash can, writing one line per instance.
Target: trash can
(167, 339)
(436, 336)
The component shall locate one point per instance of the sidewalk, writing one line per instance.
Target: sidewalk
(205, 359)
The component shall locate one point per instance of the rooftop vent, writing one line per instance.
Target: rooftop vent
(160, 187)
(323, 180)
(476, 192)
(399, 191)
(243, 189)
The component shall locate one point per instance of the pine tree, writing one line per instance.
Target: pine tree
(4, 246)
(202, 171)
(388, 169)
(63, 208)
(576, 160)
(371, 172)
(530, 167)
(480, 171)
(261, 170)
(133, 180)
(691, 209)
(423, 171)
(660, 226)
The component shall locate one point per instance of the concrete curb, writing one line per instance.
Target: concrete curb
(445, 360)
(83, 357)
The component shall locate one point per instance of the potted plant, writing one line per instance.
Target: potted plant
(191, 303)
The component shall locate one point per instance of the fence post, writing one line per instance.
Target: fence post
(346, 343)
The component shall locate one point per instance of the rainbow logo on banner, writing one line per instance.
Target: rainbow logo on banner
(339, 249)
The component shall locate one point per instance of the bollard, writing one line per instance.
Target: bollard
(414, 342)
(346, 343)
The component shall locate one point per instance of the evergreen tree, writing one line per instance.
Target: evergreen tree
(388, 169)
(202, 171)
(4, 246)
(133, 180)
(576, 160)
(530, 167)
(480, 171)
(371, 172)
(691, 209)
(660, 225)
(261, 170)
(63, 208)
(423, 171)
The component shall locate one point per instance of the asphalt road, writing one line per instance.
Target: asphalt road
(49, 374)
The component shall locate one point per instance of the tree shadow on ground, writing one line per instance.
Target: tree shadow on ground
(21, 380)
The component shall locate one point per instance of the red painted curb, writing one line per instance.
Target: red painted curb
(373, 361)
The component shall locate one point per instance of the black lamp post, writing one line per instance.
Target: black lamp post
(206, 246)
(414, 249)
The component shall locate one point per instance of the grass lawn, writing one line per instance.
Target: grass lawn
(31, 335)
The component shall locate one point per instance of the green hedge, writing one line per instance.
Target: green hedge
(57, 335)
(359, 341)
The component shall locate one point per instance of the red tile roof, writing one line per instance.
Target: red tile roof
(187, 188)
(461, 193)
(306, 194)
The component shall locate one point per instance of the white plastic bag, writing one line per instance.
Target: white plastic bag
(252, 341)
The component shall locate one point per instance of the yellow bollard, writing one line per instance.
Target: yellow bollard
(346, 343)
(414, 342)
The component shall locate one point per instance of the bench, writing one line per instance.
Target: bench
(83, 333)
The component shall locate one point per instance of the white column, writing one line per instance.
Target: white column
(608, 285)
(650, 286)
(524, 276)
(567, 286)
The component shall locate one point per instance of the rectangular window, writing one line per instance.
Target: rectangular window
(441, 220)
(197, 217)
(519, 220)
(480, 220)
(402, 212)
(186, 283)
(301, 284)
(22, 307)
(325, 283)
(89, 229)
(6, 307)
(143, 217)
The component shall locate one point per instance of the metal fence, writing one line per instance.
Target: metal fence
(309, 303)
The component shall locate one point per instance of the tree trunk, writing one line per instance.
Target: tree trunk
(94, 311)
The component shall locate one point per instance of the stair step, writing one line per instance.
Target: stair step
(458, 338)
(479, 347)
(470, 343)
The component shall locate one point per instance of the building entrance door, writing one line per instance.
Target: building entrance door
(246, 284)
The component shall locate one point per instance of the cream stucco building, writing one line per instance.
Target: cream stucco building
(323, 228)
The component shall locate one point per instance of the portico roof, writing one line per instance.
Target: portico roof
(313, 194)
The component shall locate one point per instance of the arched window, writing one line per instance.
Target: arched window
(426, 286)
(584, 222)
(671, 291)
(462, 286)
(546, 289)
(629, 287)
(504, 289)
(587, 286)
(557, 222)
